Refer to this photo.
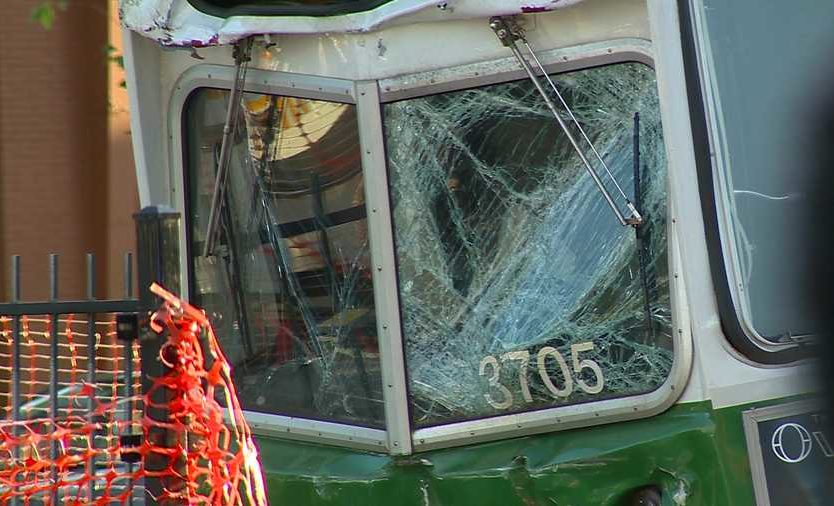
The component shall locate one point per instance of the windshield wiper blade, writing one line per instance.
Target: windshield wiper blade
(241, 53)
(641, 233)
(510, 34)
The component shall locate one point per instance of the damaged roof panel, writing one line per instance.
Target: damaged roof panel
(179, 23)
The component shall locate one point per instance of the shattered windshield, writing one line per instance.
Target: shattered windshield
(518, 289)
(288, 288)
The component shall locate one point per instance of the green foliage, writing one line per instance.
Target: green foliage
(44, 13)
(118, 59)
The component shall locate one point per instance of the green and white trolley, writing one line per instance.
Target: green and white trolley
(509, 252)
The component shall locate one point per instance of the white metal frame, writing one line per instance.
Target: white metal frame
(368, 95)
(577, 415)
(506, 69)
(386, 292)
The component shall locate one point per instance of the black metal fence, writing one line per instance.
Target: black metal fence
(64, 368)
(63, 364)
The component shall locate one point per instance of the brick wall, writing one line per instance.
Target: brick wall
(122, 193)
(66, 174)
(67, 183)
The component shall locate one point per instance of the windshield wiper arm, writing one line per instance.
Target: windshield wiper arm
(509, 34)
(241, 53)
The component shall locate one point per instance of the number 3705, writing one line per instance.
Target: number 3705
(491, 368)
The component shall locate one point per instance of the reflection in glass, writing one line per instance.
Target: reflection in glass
(518, 289)
(766, 160)
(289, 287)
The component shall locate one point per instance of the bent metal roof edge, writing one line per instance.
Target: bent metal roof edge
(178, 23)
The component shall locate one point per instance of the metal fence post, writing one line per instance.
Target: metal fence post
(54, 368)
(92, 374)
(128, 353)
(16, 369)
(158, 260)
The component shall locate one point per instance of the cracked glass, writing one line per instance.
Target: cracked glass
(288, 288)
(518, 288)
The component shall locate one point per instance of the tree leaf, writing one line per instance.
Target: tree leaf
(44, 14)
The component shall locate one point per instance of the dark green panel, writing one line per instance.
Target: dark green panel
(689, 450)
(226, 8)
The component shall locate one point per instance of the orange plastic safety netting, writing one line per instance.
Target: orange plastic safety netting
(90, 443)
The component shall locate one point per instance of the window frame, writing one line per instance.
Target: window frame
(398, 437)
(577, 415)
(715, 201)
(261, 81)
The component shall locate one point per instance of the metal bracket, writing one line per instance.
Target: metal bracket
(509, 33)
(242, 55)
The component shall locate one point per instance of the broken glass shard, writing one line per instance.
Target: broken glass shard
(517, 289)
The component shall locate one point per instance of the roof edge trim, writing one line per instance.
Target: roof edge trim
(178, 23)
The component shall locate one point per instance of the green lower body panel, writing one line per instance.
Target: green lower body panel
(695, 455)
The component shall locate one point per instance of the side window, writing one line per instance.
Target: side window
(518, 289)
(764, 159)
(289, 285)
